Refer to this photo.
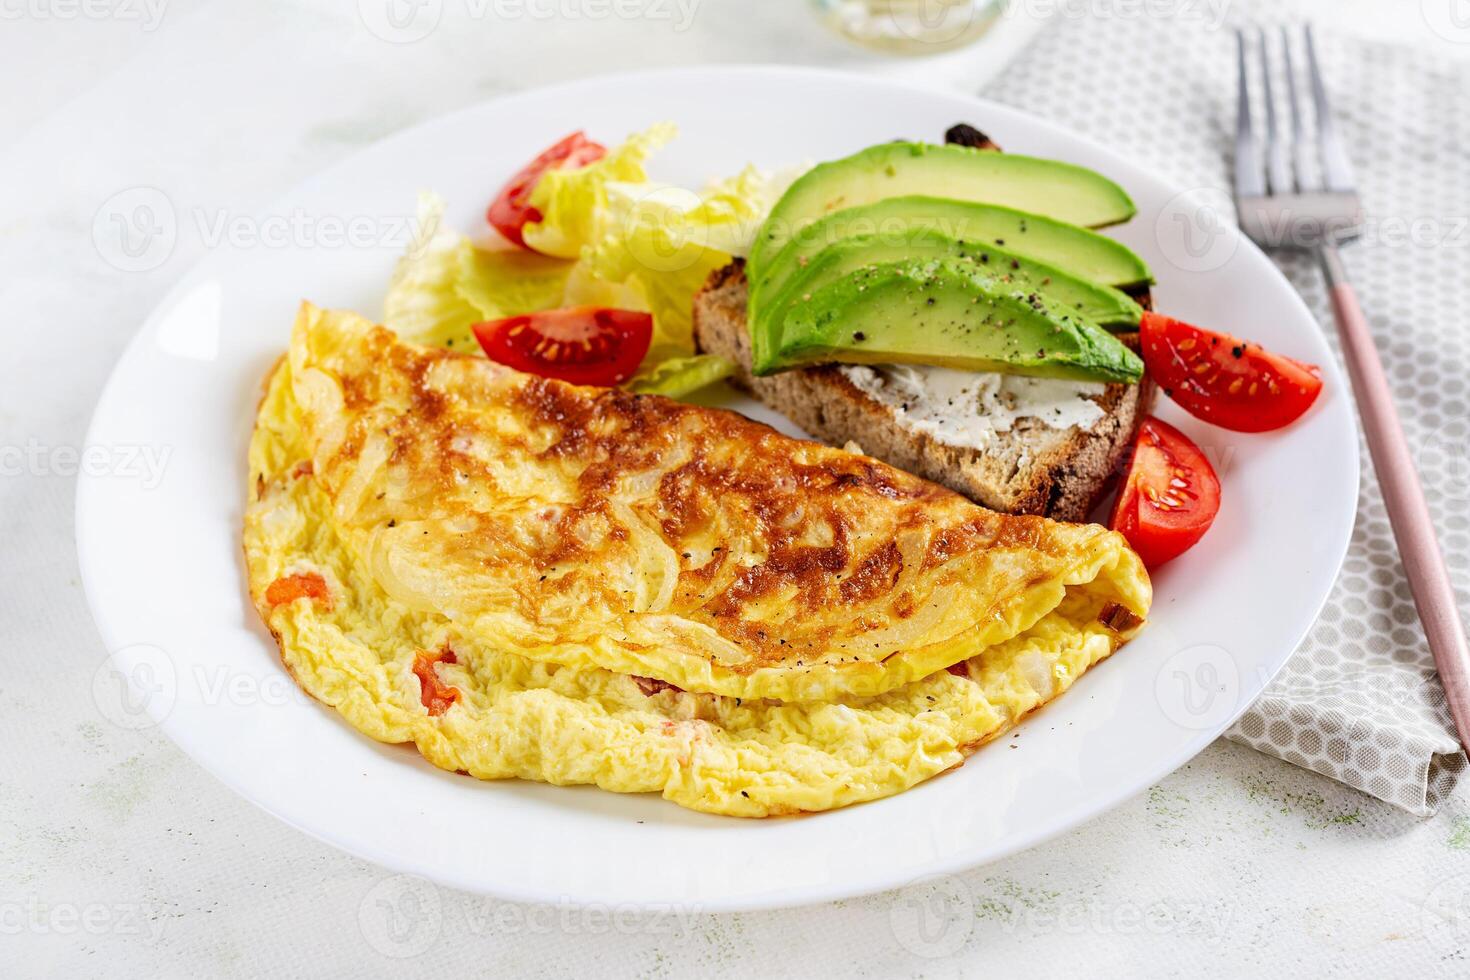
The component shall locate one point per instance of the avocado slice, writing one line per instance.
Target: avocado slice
(1057, 190)
(1103, 305)
(951, 313)
(1076, 251)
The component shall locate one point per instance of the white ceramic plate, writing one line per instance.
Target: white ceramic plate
(163, 569)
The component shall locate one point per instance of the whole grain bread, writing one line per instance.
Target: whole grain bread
(1030, 469)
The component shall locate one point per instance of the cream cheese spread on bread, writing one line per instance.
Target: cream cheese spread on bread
(967, 408)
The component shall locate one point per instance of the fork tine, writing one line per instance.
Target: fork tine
(1336, 169)
(1278, 171)
(1301, 152)
(1248, 180)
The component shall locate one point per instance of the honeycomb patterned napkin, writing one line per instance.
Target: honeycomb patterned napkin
(1360, 701)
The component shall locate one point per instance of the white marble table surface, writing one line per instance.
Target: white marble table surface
(120, 857)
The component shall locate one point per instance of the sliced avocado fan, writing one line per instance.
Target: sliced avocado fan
(1103, 305)
(1073, 249)
(952, 313)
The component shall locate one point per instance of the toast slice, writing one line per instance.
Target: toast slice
(1030, 469)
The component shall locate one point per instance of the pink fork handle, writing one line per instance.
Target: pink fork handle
(1429, 579)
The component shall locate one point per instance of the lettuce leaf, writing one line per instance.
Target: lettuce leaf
(647, 268)
(680, 376)
(422, 304)
(505, 282)
(573, 203)
(444, 284)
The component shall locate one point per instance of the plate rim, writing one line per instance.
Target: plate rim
(89, 562)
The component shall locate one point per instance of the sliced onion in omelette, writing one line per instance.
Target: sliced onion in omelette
(594, 528)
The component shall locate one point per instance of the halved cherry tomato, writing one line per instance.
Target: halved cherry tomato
(511, 209)
(1225, 380)
(1169, 497)
(586, 345)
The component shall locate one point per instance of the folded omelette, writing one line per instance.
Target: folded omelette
(532, 579)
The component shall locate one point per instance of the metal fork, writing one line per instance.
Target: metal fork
(1283, 204)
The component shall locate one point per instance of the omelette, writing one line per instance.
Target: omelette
(531, 579)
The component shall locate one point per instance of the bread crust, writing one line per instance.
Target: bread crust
(1031, 469)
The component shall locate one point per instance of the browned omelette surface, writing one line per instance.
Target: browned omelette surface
(595, 528)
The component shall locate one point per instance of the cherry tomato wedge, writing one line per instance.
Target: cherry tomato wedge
(586, 345)
(1225, 380)
(511, 209)
(1169, 497)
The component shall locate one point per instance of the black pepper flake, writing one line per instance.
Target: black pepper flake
(859, 336)
(392, 523)
(1238, 350)
(1000, 241)
(1015, 264)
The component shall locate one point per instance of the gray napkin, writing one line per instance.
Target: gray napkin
(1359, 701)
